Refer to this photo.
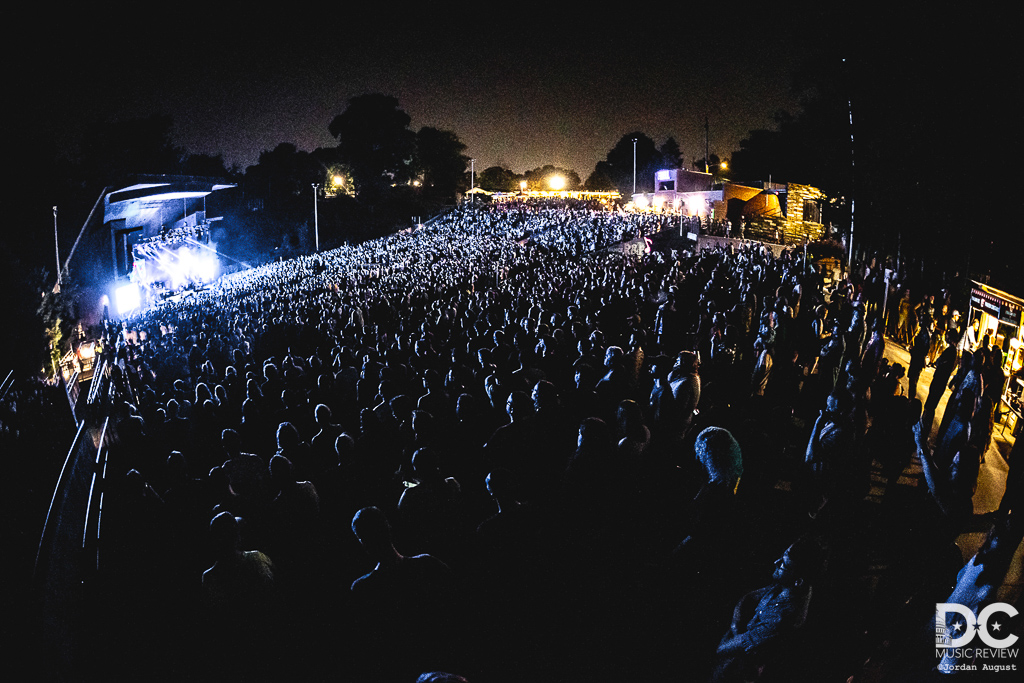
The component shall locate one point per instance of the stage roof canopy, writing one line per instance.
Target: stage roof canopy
(141, 202)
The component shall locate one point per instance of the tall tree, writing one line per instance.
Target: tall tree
(671, 154)
(618, 165)
(374, 140)
(283, 181)
(205, 165)
(498, 179)
(597, 181)
(440, 158)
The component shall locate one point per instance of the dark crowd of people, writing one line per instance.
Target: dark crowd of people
(490, 448)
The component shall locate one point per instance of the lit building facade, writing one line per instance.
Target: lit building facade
(786, 212)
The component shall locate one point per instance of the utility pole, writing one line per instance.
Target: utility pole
(706, 145)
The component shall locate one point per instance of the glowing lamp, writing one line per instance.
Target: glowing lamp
(556, 182)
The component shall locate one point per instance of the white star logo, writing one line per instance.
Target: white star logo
(957, 626)
(995, 626)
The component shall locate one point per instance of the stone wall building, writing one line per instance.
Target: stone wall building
(787, 213)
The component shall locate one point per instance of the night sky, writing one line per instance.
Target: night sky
(520, 91)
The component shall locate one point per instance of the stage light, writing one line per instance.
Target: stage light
(556, 182)
(127, 298)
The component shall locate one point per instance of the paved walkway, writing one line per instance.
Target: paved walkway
(992, 476)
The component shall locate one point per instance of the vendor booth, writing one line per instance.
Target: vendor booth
(1000, 317)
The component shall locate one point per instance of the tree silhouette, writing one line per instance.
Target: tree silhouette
(374, 140)
(498, 179)
(440, 158)
(618, 165)
(597, 181)
(671, 154)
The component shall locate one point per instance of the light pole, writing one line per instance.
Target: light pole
(316, 218)
(56, 246)
(634, 165)
(472, 179)
(849, 106)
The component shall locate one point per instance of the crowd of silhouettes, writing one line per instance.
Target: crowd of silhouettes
(488, 447)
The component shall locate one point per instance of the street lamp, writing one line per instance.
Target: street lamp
(316, 218)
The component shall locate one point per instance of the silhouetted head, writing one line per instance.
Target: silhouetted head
(719, 453)
(613, 357)
(177, 469)
(544, 395)
(687, 362)
(281, 471)
(440, 677)
(287, 436)
(373, 532)
(500, 484)
(225, 534)
(801, 562)
(519, 406)
(345, 447)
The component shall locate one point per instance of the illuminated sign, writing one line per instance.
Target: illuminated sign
(1005, 311)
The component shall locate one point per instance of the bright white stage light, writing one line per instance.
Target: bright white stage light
(127, 298)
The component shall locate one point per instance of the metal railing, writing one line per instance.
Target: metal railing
(6, 385)
(68, 556)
